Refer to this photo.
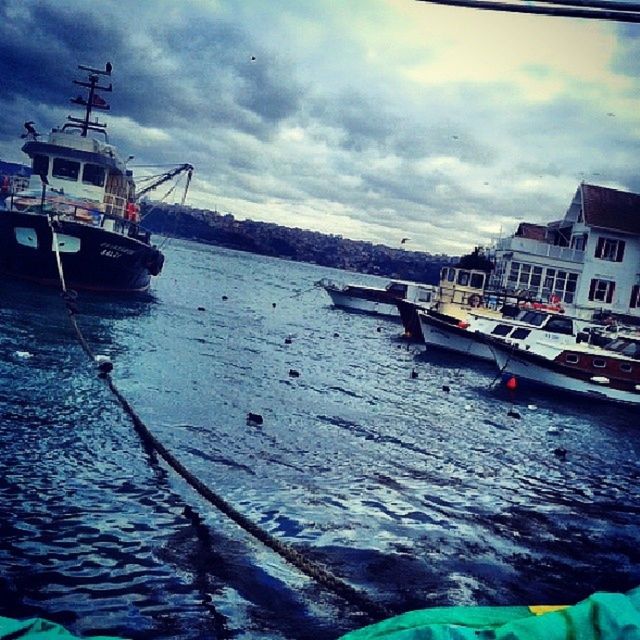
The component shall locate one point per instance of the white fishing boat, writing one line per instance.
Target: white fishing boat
(378, 300)
(608, 372)
(525, 329)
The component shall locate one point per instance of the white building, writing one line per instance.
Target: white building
(589, 261)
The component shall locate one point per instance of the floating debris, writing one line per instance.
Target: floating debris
(225, 297)
(105, 367)
(561, 452)
(254, 418)
(446, 388)
(512, 413)
(553, 431)
(293, 373)
(532, 407)
(201, 309)
(24, 354)
(336, 334)
(379, 329)
(101, 357)
(273, 304)
(414, 374)
(288, 340)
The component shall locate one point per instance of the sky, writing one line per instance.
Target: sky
(373, 119)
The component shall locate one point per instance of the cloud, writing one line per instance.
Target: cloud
(377, 119)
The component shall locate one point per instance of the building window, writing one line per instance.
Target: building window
(634, 303)
(559, 283)
(579, 242)
(65, 169)
(601, 290)
(609, 249)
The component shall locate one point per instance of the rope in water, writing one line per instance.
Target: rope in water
(310, 568)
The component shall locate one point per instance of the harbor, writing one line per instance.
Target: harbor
(416, 495)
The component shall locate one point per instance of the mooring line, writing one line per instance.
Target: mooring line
(310, 568)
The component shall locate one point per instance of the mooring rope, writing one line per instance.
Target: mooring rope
(310, 568)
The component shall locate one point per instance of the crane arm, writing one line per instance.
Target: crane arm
(165, 177)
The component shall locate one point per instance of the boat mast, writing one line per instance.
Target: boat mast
(92, 101)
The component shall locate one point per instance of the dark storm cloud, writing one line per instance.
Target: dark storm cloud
(195, 70)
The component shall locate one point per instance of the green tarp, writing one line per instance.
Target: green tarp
(602, 616)
(39, 629)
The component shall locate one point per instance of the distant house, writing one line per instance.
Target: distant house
(589, 260)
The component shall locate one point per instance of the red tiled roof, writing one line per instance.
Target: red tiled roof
(530, 230)
(611, 209)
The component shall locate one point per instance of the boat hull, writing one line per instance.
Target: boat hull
(542, 371)
(410, 321)
(438, 332)
(351, 302)
(92, 258)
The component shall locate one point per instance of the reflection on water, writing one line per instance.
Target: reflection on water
(418, 495)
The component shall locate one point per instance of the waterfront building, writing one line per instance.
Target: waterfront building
(589, 261)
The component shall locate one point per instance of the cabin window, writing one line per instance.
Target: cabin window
(65, 169)
(634, 303)
(571, 358)
(560, 325)
(463, 278)
(533, 317)
(501, 330)
(520, 333)
(610, 249)
(625, 367)
(93, 174)
(599, 363)
(601, 290)
(477, 280)
(40, 165)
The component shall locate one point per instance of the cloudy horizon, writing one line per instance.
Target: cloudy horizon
(375, 120)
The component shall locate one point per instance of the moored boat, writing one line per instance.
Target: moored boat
(78, 219)
(608, 372)
(377, 300)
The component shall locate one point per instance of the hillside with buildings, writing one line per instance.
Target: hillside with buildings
(292, 243)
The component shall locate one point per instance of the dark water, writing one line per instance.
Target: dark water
(418, 496)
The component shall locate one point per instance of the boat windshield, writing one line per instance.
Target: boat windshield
(626, 347)
(533, 317)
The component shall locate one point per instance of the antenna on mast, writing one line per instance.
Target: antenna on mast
(93, 100)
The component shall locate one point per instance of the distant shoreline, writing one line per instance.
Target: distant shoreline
(301, 245)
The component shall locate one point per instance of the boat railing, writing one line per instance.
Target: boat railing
(539, 248)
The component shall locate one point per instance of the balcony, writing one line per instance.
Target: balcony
(537, 248)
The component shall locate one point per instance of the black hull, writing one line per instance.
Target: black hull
(93, 259)
(410, 321)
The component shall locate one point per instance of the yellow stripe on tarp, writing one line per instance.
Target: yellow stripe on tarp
(541, 609)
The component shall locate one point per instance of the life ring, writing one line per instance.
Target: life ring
(475, 301)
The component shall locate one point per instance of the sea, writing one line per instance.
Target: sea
(413, 475)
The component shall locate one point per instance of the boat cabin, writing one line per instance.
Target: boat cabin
(462, 286)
